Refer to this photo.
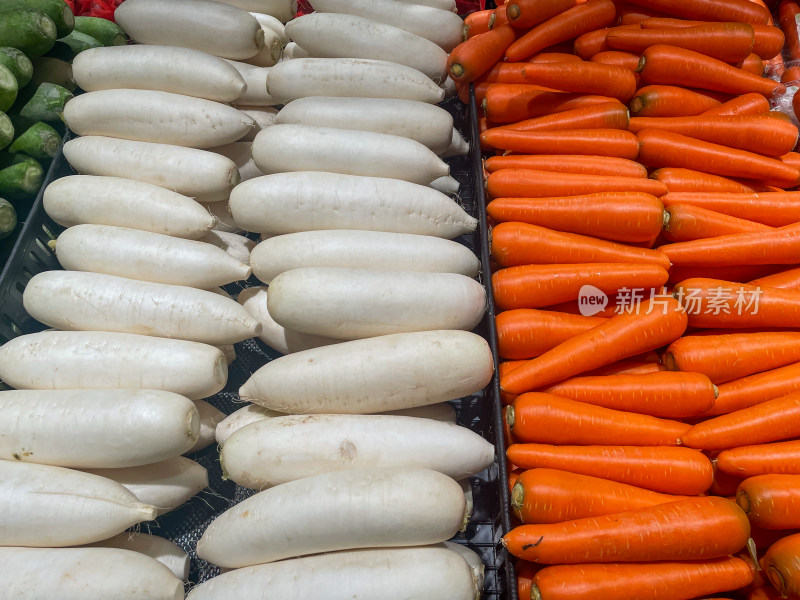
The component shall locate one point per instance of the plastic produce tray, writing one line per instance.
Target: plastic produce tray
(480, 412)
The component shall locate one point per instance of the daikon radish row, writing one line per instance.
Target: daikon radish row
(273, 451)
(199, 174)
(330, 35)
(442, 27)
(164, 551)
(46, 506)
(352, 304)
(85, 574)
(165, 68)
(147, 256)
(165, 485)
(228, 351)
(472, 559)
(264, 116)
(294, 202)
(96, 428)
(273, 23)
(458, 145)
(274, 335)
(204, 25)
(209, 415)
(257, 93)
(284, 10)
(98, 360)
(393, 574)
(153, 116)
(79, 199)
(239, 153)
(441, 411)
(361, 249)
(224, 219)
(447, 185)
(374, 375)
(357, 508)
(429, 125)
(350, 77)
(75, 300)
(237, 246)
(292, 50)
(288, 148)
(271, 52)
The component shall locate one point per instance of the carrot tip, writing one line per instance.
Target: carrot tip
(513, 12)
(517, 496)
(456, 70)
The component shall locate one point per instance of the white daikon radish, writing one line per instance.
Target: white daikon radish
(394, 574)
(449, 87)
(224, 220)
(351, 304)
(441, 4)
(472, 559)
(273, 451)
(152, 116)
(441, 411)
(294, 202)
(78, 199)
(425, 123)
(46, 506)
(292, 51)
(466, 486)
(204, 25)
(228, 351)
(374, 375)
(357, 508)
(458, 146)
(361, 249)
(239, 153)
(147, 256)
(277, 337)
(237, 246)
(210, 415)
(286, 148)
(280, 9)
(81, 301)
(447, 185)
(257, 93)
(161, 549)
(165, 485)
(165, 68)
(270, 22)
(271, 52)
(85, 574)
(264, 116)
(96, 428)
(329, 35)
(351, 77)
(442, 27)
(97, 360)
(200, 174)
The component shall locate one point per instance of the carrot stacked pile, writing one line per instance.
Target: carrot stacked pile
(635, 166)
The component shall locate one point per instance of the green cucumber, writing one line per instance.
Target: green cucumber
(103, 30)
(57, 10)
(78, 42)
(21, 181)
(47, 103)
(8, 218)
(18, 63)
(32, 32)
(53, 70)
(8, 88)
(40, 141)
(6, 130)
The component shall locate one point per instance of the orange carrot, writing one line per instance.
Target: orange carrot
(724, 485)
(745, 104)
(580, 164)
(525, 573)
(757, 388)
(509, 103)
(524, 14)
(504, 72)
(654, 581)
(761, 459)
(788, 15)
(752, 64)
(536, 286)
(525, 333)
(628, 13)
(659, 321)
(791, 158)
(583, 77)
(548, 419)
(687, 180)
(499, 18)
(710, 10)
(659, 148)
(505, 367)
(771, 501)
(553, 57)
(472, 58)
(776, 209)
(755, 133)
(518, 244)
(552, 496)
(687, 223)
(735, 273)
(670, 101)
(626, 367)
(477, 22)
(782, 565)
(663, 64)
(690, 529)
(611, 115)
(626, 60)
(770, 421)
(564, 26)
(785, 280)
(621, 217)
(592, 305)
(594, 42)
(667, 469)
(530, 183)
(731, 356)
(659, 394)
(603, 142)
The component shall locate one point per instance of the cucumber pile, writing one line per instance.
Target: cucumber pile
(38, 40)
